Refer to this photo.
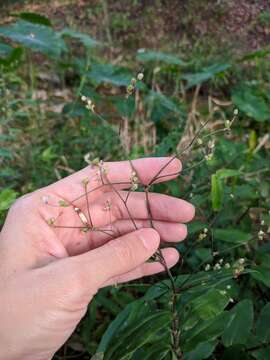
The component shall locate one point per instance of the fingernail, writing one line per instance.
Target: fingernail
(150, 238)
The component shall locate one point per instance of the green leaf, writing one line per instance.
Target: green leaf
(262, 274)
(216, 192)
(5, 50)
(252, 103)
(202, 351)
(261, 354)
(238, 329)
(256, 54)
(205, 74)
(146, 332)
(85, 39)
(130, 313)
(262, 329)
(7, 197)
(156, 56)
(36, 37)
(162, 107)
(225, 173)
(205, 331)
(34, 18)
(206, 307)
(107, 73)
(232, 235)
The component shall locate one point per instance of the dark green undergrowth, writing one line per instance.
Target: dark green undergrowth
(223, 298)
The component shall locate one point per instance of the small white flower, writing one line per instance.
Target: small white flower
(227, 266)
(235, 112)
(227, 124)
(228, 287)
(241, 261)
(140, 76)
(207, 267)
(217, 267)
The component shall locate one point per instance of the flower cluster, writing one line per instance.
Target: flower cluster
(89, 104)
(134, 181)
(131, 87)
(211, 149)
(203, 234)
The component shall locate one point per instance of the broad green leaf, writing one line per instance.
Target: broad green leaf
(261, 354)
(205, 331)
(85, 39)
(232, 235)
(7, 197)
(156, 56)
(202, 351)
(262, 329)
(162, 107)
(262, 274)
(107, 73)
(34, 18)
(205, 74)
(126, 317)
(252, 103)
(157, 351)
(206, 307)
(238, 329)
(216, 192)
(146, 332)
(36, 37)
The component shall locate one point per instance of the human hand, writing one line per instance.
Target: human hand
(61, 243)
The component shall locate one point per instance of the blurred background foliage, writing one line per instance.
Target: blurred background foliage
(201, 60)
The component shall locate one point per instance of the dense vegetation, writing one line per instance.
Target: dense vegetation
(222, 283)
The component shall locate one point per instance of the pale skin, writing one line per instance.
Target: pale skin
(48, 275)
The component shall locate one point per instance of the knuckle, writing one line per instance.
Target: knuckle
(123, 253)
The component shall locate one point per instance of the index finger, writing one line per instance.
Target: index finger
(148, 170)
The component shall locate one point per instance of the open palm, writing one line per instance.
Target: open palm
(62, 243)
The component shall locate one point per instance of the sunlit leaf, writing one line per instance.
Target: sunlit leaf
(34, 36)
(7, 197)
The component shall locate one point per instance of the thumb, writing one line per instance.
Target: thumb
(116, 257)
